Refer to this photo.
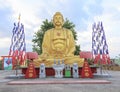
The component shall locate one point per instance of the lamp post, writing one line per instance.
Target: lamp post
(17, 63)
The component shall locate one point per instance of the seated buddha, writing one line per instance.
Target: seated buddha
(58, 44)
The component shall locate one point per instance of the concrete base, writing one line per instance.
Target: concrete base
(102, 75)
(16, 76)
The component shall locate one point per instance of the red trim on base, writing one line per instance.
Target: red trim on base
(50, 71)
(65, 81)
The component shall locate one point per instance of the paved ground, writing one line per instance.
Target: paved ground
(113, 87)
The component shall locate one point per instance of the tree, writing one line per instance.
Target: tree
(117, 59)
(38, 36)
(0, 64)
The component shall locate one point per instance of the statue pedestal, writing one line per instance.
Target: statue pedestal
(50, 72)
(58, 70)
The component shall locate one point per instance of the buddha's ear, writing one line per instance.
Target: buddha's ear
(53, 22)
(62, 21)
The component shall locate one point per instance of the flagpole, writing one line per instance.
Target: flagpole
(18, 45)
(99, 46)
(17, 58)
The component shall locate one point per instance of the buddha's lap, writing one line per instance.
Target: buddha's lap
(65, 59)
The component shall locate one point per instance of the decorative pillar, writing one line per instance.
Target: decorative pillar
(75, 70)
(42, 73)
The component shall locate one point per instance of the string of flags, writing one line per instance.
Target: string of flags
(18, 45)
(99, 45)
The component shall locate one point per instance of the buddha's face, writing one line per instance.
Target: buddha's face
(58, 20)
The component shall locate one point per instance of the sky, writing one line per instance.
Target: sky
(83, 13)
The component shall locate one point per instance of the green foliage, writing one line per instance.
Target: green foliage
(117, 59)
(38, 36)
(0, 64)
(90, 61)
(77, 49)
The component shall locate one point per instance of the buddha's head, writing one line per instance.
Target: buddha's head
(58, 19)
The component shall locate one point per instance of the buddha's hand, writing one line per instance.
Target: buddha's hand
(69, 55)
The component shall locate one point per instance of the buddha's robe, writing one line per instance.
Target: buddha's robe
(58, 45)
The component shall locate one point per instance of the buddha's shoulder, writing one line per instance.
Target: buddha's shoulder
(67, 30)
(52, 30)
(48, 31)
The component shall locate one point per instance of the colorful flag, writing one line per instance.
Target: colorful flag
(99, 44)
(18, 45)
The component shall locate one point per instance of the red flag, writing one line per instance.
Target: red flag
(97, 59)
(108, 60)
(105, 59)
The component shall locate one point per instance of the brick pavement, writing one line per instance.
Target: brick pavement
(113, 87)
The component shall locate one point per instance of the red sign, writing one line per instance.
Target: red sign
(30, 73)
(86, 71)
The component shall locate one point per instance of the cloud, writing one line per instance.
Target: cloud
(110, 16)
(111, 21)
(4, 42)
(82, 13)
(3, 4)
(85, 37)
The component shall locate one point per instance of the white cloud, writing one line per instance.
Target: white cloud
(29, 11)
(85, 37)
(84, 40)
(5, 42)
(33, 12)
(111, 20)
(28, 42)
(3, 4)
(110, 17)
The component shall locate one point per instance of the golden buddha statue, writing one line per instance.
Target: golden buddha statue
(58, 44)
